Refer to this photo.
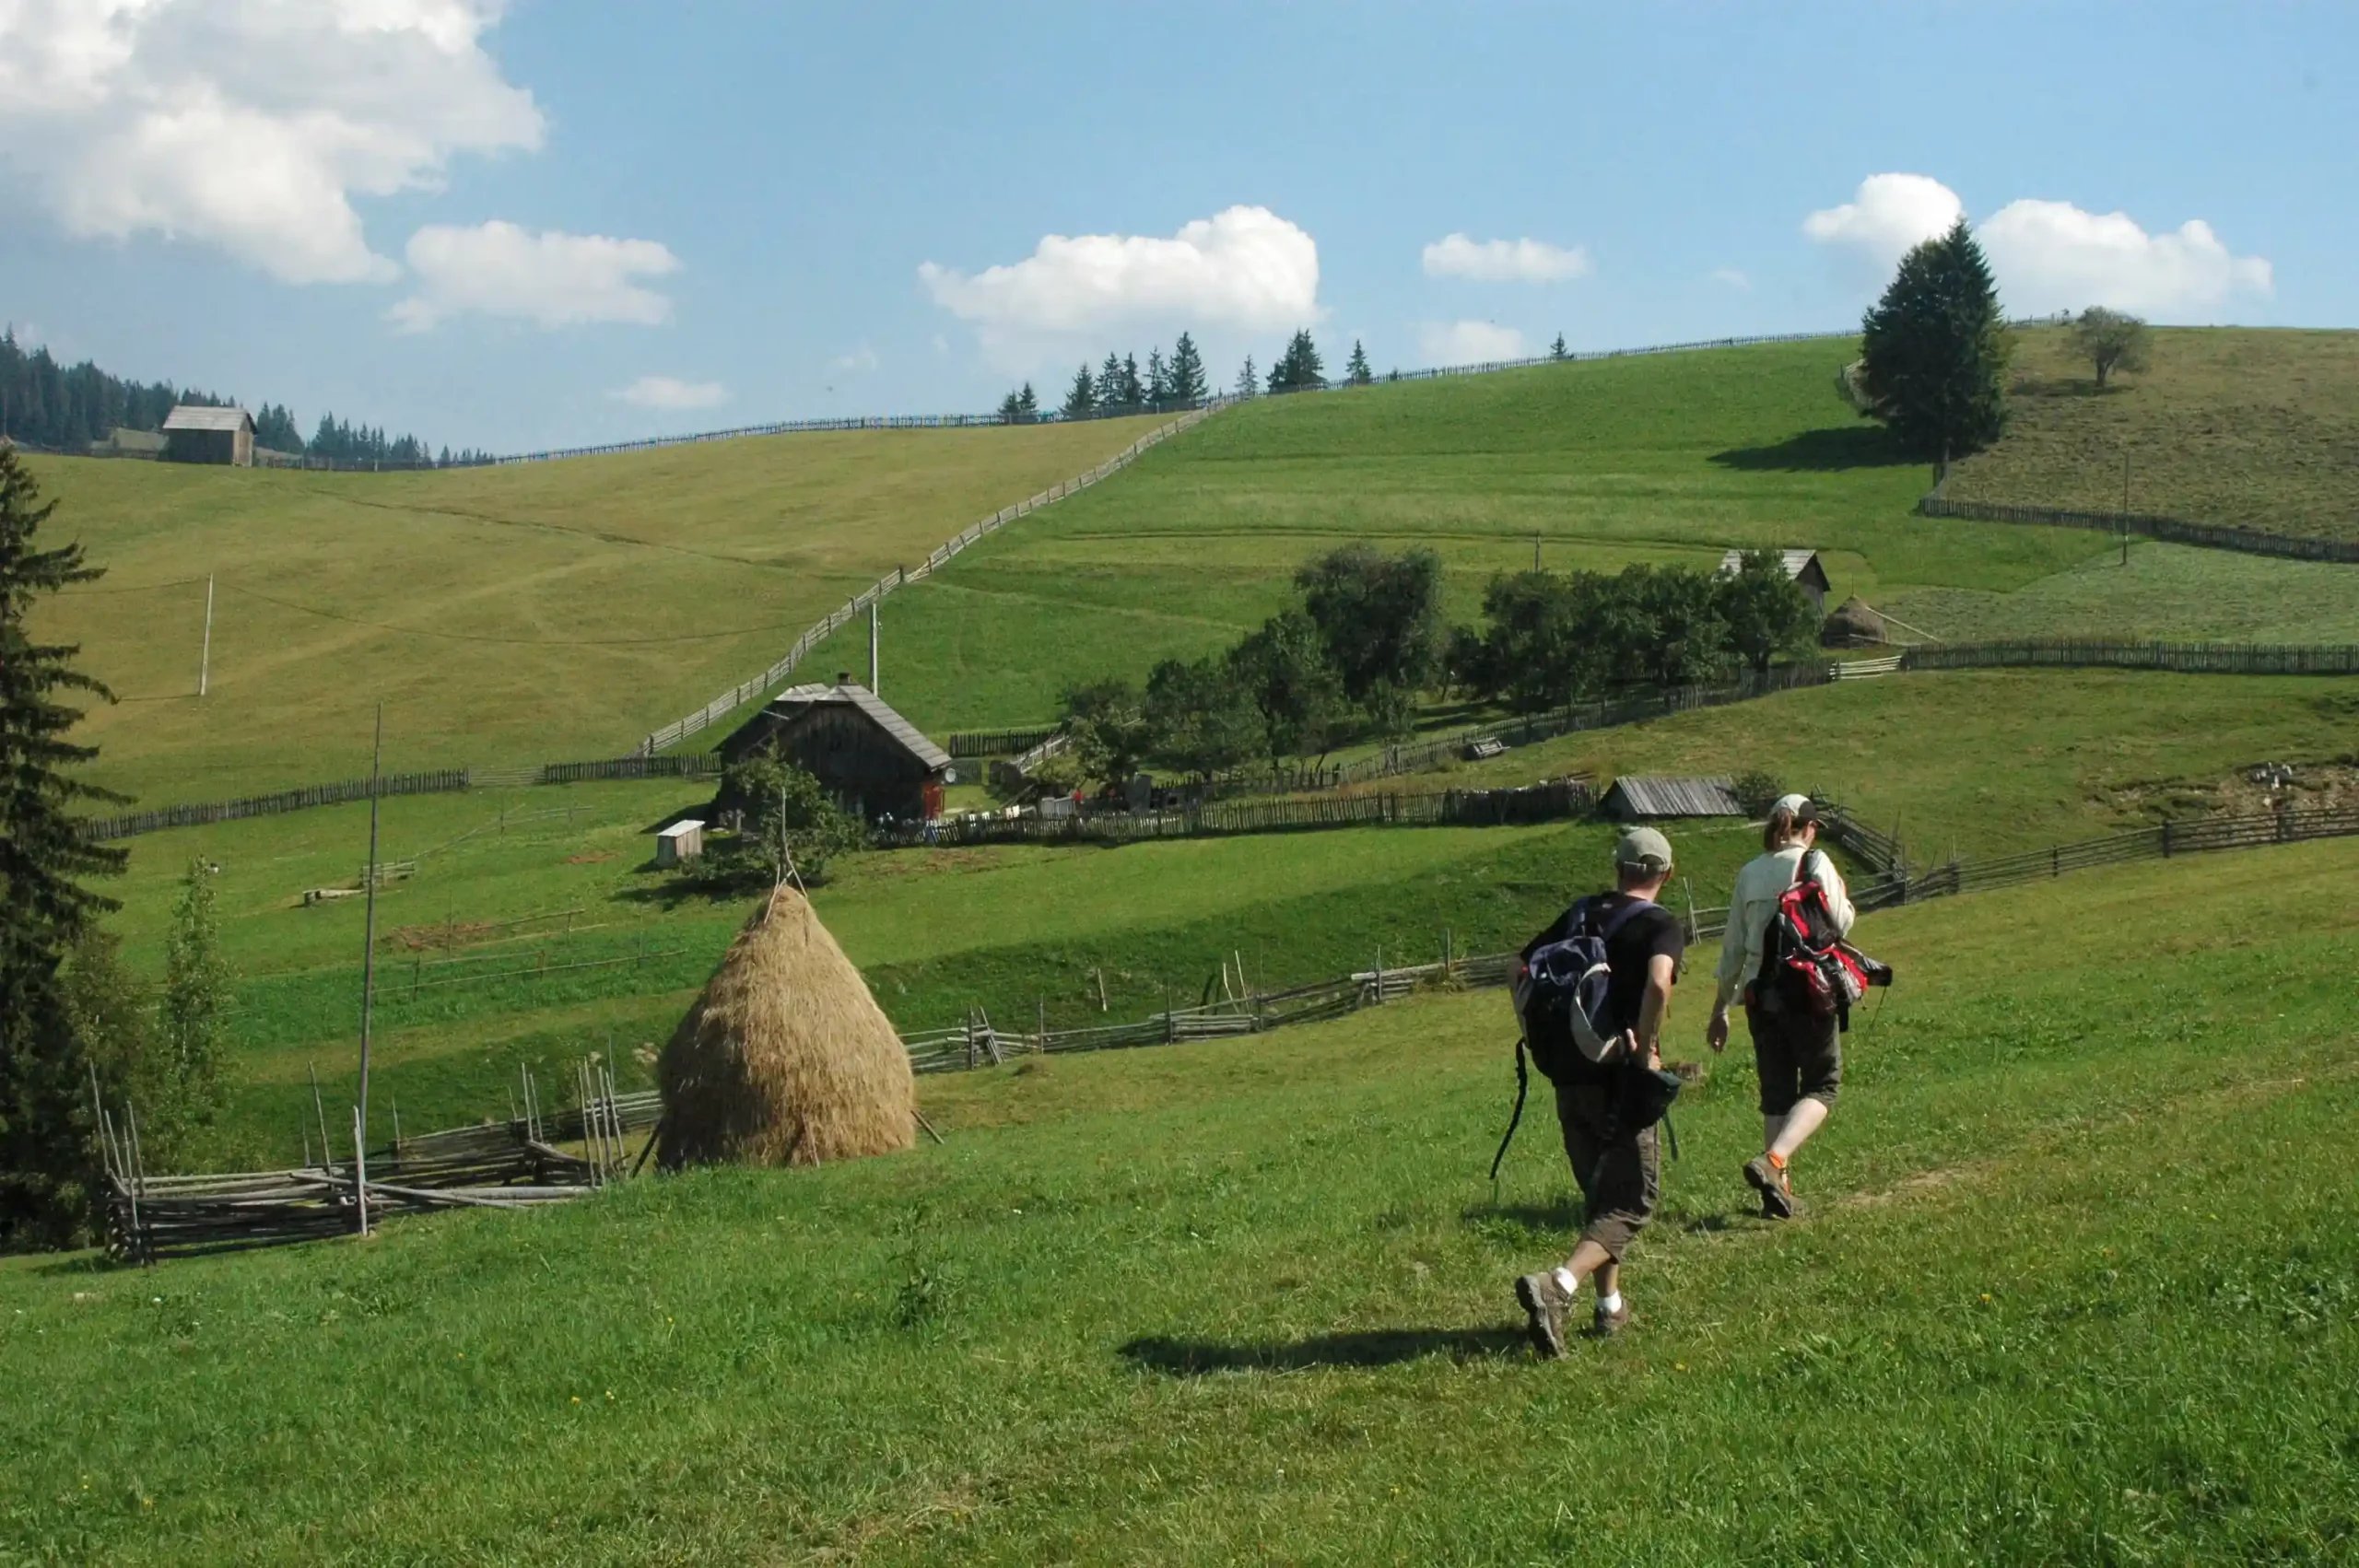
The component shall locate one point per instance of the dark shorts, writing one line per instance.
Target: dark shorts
(1620, 1179)
(1800, 1058)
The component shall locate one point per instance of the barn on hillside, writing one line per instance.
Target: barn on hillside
(197, 433)
(862, 752)
(1644, 797)
(1802, 565)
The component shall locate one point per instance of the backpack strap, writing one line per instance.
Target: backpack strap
(1622, 917)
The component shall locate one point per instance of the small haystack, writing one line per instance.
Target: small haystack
(1854, 624)
(786, 1059)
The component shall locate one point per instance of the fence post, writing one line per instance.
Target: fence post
(2166, 839)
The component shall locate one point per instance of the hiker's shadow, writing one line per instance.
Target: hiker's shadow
(1372, 1347)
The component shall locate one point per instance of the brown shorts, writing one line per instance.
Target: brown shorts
(1619, 1180)
(1800, 1058)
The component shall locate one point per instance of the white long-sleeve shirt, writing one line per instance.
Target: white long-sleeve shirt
(1759, 885)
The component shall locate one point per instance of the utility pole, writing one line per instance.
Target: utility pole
(2125, 508)
(871, 647)
(1535, 552)
(204, 659)
(369, 952)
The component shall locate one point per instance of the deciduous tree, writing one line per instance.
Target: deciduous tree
(2111, 340)
(1765, 612)
(1284, 674)
(1380, 619)
(1199, 717)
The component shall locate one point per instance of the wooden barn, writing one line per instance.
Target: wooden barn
(1644, 797)
(197, 433)
(862, 752)
(1802, 565)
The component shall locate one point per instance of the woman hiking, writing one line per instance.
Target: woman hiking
(1800, 1055)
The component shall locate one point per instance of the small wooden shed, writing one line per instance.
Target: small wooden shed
(862, 752)
(1644, 797)
(193, 433)
(679, 843)
(1802, 565)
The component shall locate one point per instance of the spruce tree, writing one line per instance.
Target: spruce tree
(1011, 409)
(1355, 370)
(1245, 385)
(1557, 349)
(196, 995)
(1299, 369)
(1934, 351)
(1133, 390)
(1028, 402)
(1189, 385)
(1158, 378)
(1081, 398)
(48, 1167)
(1110, 382)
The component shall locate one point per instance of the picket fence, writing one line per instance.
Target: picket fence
(2185, 657)
(1484, 808)
(997, 742)
(2171, 530)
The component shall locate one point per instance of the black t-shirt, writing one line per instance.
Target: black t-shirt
(1653, 931)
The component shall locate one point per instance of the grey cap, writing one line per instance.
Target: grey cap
(1644, 848)
(1801, 806)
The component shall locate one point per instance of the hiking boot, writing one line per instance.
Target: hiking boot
(1544, 1304)
(1605, 1324)
(1771, 1181)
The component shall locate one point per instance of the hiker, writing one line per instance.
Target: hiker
(1798, 1051)
(1614, 1158)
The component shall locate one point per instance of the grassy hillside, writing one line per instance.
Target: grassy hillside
(1251, 1301)
(2259, 429)
(503, 615)
(535, 879)
(1668, 457)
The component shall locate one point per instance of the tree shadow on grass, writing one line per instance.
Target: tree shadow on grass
(1373, 1347)
(1830, 451)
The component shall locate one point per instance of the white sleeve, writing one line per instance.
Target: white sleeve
(1838, 897)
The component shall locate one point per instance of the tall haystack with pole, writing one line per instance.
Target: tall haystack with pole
(786, 1059)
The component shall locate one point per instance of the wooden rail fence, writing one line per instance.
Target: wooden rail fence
(2187, 657)
(2171, 530)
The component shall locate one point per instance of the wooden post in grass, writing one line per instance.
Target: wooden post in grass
(360, 1173)
(369, 939)
(205, 658)
(320, 1110)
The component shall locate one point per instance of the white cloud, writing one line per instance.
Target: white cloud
(249, 125)
(2049, 255)
(2053, 256)
(1891, 216)
(1469, 343)
(1505, 261)
(1245, 267)
(1731, 278)
(860, 358)
(666, 392)
(553, 279)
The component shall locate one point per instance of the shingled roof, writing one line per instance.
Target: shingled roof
(197, 416)
(1795, 562)
(910, 737)
(1648, 796)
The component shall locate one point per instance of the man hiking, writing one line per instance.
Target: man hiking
(1615, 1165)
(1798, 1049)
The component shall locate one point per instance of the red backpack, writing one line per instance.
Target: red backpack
(1805, 963)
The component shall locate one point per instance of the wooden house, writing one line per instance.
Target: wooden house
(197, 434)
(868, 756)
(1643, 798)
(1802, 565)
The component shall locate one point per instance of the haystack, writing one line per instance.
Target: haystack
(1854, 624)
(786, 1059)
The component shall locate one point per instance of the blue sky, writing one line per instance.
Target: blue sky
(562, 223)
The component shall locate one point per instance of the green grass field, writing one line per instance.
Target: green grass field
(511, 882)
(2074, 1285)
(2258, 428)
(535, 613)
(1671, 459)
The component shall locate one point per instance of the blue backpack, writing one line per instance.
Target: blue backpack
(1560, 994)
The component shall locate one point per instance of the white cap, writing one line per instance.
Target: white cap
(1790, 803)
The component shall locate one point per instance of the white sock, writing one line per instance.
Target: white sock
(1609, 1304)
(1566, 1283)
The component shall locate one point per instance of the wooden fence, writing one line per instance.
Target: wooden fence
(2189, 657)
(511, 1165)
(997, 742)
(2171, 530)
(751, 690)
(1886, 884)
(1541, 802)
(445, 781)
(449, 781)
